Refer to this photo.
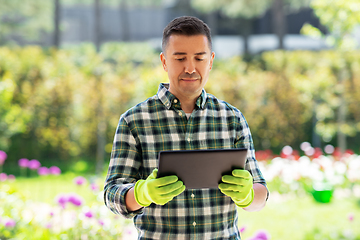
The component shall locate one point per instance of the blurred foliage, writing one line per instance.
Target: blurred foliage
(244, 8)
(113, 3)
(50, 98)
(318, 234)
(24, 19)
(231, 8)
(340, 18)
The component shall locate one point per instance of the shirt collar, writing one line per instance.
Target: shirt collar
(168, 99)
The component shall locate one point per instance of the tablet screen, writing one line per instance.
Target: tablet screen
(201, 168)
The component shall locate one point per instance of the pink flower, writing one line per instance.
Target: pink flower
(3, 177)
(3, 157)
(101, 222)
(261, 235)
(43, 171)
(10, 223)
(62, 199)
(89, 214)
(351, 217)
(94, 187)
(23, 162)
(11, 177)
(79, 180)
(34, 164)
(287, 150)
(75, 199)
(242, 229)
(54, 170)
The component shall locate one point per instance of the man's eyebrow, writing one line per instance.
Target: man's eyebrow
(184, 53)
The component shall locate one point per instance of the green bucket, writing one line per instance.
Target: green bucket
(322, 192)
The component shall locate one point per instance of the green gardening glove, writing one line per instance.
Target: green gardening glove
(157, 190)
(238, 186)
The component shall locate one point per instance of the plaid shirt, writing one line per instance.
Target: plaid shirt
(159, 124)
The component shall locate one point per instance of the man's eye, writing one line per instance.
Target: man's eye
(200, 59)
(180, 59)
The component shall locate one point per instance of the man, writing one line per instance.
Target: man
(182, 116)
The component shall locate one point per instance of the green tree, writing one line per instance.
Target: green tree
(13, 118)
(340, 17)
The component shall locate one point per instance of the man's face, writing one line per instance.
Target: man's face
(188, 61)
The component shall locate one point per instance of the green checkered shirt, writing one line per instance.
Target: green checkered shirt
(159, 124)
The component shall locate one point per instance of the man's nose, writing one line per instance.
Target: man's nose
(190, 67)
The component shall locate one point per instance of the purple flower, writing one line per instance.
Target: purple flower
(43, 171)
(10, 223)
(261, 235)
(89, 214)
(62, 199)
(79, 180)
(3, 157)
(94, 187)
(242, 229)
(34, 164)
(3, 177)
(75, 199)
(23, 162)
(54, 170)
(101, 222)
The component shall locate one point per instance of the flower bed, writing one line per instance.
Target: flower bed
(80, 213)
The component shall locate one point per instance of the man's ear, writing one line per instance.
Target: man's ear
(212, 59)
(163, 61)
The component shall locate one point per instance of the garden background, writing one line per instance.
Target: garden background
(59, 108)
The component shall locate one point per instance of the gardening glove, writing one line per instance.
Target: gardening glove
(238, 186)
(157, 190)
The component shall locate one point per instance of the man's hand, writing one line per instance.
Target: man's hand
(157, 190)
(238, 186)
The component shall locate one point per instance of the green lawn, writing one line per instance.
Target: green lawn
(285, 217)
(46, 188)
(295, 217)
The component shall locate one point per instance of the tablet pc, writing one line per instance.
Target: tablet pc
(201, 168)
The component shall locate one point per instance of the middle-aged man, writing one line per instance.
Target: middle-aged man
(182, 116)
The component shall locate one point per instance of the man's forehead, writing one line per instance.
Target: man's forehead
(183, 44)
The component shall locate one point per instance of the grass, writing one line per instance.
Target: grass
(295, 217)
(285, 217)
(46, 188)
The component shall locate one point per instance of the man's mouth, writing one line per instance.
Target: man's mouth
(189, 77)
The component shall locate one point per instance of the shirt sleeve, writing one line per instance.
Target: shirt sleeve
(244, 140)
(123, 171)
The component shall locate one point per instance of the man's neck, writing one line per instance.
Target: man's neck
(187, 104)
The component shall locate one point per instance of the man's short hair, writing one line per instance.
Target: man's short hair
(186, 25)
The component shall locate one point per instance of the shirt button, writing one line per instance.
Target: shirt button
(194, 224)
(192, 195)
(188, 139)
(180, 113)
(175, 100)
